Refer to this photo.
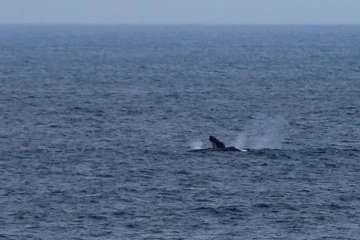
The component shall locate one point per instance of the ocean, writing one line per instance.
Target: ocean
(97, 122)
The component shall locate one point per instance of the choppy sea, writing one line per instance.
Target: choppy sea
(96, 122)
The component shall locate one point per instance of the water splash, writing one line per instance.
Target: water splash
(196, 144)
(241, 140)
(263, 132)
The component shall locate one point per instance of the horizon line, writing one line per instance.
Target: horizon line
(262, 24)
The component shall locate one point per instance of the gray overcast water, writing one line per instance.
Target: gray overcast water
(97, 121)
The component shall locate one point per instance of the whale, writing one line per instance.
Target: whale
(217, 145)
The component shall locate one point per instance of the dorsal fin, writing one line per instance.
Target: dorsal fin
(216, 143)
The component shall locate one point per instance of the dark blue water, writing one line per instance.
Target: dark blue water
(96, 122)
